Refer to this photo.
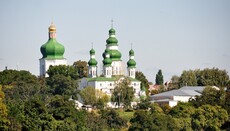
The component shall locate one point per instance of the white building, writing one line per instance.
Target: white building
(181, 95)
(52, 52)
(112, 69)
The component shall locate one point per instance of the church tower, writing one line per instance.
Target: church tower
(114, 53)
(52, 52)
(131, 64)
(92, 68)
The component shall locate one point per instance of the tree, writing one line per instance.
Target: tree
(174, 84)
(144, 120)
(114, 121)
(206, 77)
(62, 85)
(94, 97)
(141, 77)
(4, 122)
(67, 71)
(209, 117)
(123, 93)
(36, 116)
(188, 78)
(82, 68)
(159, 78)
(212, 77)
(210, 96)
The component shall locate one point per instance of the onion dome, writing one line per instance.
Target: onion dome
(131, 63)
(131, 52)
(107, 61)
(52, 49)
(107, 51)
(112, 40)
(92, 52)
(92, 61)
(115, 55)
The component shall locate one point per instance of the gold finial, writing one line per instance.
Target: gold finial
(52, 27)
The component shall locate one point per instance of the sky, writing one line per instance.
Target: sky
(171, 35)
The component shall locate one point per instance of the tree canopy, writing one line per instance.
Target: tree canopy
(159, 78)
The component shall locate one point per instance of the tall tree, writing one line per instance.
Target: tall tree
(82, 68)
(144, 82)
(159, 78)
(188, 78)
(123, 93)
(94, 97)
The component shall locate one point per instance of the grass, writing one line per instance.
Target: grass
(125, 115)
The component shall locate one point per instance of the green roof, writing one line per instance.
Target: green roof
(109, 79)
(52, 49)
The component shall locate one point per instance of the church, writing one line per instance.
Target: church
(112, 72)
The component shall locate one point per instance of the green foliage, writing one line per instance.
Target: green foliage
(144, 82)
(209, 117)
(159, 78)
(188, 78)
(174, 82)
(206, 77)
(94, 97)
(144, 120)
(123, 93)
(61, 85)
(10, 77)
(210, 96)
(67, 71)
(113, 119)
(81, 68)
(4, 122)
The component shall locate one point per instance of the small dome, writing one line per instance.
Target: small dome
(131, 52)
(112, 40)
(52, 49)
(115, 55)
(52, 28)
(131, 63)
(92, 62)
(106, 52)
(112, 31)
(92, 52)
(107, 62)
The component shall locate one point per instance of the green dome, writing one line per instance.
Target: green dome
(112, 41)
(115, 55)
(112, 31)
(92, 52)
(131, 52)
(92, 62)
(106, 51)
(131, 63)
(52, 49)
(107, 62)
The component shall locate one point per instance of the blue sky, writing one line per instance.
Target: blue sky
(172, 35)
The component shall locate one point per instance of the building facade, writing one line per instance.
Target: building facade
(112, 70)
